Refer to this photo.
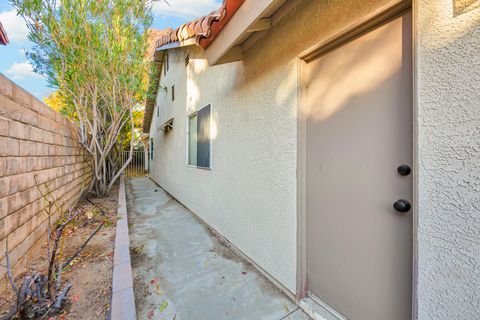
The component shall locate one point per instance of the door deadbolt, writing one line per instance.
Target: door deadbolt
(404, 170)
(402, 206)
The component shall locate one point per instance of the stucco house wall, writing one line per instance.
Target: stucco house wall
(448, 159)
(249, 196)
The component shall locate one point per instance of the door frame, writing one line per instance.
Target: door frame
(386, 13)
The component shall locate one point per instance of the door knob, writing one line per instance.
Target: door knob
(402, 206)
(404, 170)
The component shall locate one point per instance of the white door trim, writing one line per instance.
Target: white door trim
(386, 13)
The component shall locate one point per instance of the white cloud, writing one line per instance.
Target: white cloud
(186, 8)
(14, 25)
(18, 71)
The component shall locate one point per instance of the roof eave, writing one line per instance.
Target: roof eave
(252, 20)
(176, 44)
(203, 30)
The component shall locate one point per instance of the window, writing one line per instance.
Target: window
(158, 111)
(187, 60)
(199, 138)
(151, 149)
(173, 93)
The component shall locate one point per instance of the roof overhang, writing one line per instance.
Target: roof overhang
(246, 27)
(201, 31)
(224, 34)
(176, 44)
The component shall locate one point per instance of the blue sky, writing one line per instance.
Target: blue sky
(15, 66)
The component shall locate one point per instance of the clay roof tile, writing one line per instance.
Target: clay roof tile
(201, 28)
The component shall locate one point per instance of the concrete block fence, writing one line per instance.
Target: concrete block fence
(38, 146)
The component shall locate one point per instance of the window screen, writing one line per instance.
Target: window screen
(199, 138)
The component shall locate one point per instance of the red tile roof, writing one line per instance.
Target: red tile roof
(152, 36)
(3, 36)
(204, 29)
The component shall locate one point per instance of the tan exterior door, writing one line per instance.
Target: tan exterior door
(359, 131)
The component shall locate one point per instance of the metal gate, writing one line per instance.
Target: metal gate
(138, 167)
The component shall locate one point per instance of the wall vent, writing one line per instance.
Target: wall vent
(187, 60)
(173, 92)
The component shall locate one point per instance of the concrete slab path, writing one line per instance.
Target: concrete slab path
(182, 271)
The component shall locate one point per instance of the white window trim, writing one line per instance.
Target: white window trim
(188, 138)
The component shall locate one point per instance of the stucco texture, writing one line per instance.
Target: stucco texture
(448, 91)
(249, 193)
(249, 196)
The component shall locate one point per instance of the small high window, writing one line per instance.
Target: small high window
(199, 144)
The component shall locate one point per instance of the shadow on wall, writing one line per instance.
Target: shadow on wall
(330, 95)
(197, 66)
(464, 6)
(448, 21)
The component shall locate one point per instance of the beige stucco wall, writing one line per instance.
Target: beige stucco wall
(249, 196)
(448, 92)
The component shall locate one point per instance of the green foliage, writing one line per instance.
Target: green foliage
(81, 42)
(93, 52)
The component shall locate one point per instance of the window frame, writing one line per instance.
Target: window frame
(210, 167)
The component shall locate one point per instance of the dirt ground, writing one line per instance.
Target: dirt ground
(91, 272)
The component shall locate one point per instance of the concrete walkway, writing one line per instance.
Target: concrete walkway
(182, 271)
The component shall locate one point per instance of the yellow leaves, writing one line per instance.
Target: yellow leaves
(54, 101)
(138, 117)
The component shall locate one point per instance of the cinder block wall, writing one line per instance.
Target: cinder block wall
(39, 149)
